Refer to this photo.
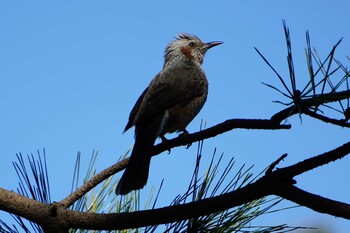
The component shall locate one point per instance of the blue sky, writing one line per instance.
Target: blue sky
(72, 70)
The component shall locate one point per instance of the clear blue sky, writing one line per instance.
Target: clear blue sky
(70, 72)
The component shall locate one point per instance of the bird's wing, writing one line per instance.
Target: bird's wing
(178, 87)
(134, 111)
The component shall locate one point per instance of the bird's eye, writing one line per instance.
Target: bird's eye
(191, 44)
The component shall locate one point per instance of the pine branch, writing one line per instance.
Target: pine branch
(277, 182)
(183, 140)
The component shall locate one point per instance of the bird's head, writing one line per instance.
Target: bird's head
(187, 47)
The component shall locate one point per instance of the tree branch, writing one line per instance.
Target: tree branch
(303, 106)
(273, 183)
(284, 114)
(93, 182)
(166, 214)
(228, 125)
(176, 142)
(325, 119)
(316, 161)
(35, 211)
(315, 202)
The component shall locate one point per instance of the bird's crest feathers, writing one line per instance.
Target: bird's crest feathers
(186, 36)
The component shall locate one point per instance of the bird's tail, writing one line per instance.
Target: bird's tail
(136, 173)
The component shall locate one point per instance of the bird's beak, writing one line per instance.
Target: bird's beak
(212, 44)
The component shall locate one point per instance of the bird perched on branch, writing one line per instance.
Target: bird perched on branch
(170, 102)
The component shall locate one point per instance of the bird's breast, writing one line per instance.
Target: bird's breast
(181, 115)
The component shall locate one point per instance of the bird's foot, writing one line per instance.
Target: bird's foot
(184, 133)
(165, 140)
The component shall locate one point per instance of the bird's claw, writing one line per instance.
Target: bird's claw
(184, 133)
(165, 140)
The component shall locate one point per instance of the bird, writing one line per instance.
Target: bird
(170, 102)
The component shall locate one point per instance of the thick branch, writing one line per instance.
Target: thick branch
(274, 183)
(17, 204)
(143, 218)
(40, 213)
(315, 202)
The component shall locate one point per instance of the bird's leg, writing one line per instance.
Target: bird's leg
(184, 133)
(165, 140)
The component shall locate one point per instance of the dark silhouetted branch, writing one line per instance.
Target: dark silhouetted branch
(276, 182)
(315, 202)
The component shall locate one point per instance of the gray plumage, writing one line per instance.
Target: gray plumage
(170, 102)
